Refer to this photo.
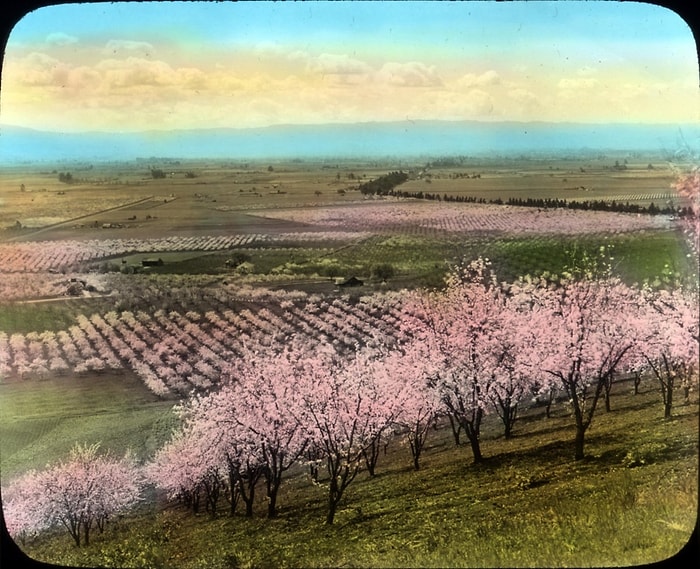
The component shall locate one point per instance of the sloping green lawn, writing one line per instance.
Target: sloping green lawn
(633, 500)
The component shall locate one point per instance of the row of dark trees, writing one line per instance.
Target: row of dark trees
(384, 185)
(598, 205)
(545, 203)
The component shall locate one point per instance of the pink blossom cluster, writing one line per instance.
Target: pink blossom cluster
(467, 218)
(688, 186)
(273, 413)
(79, 494)
(479, 347)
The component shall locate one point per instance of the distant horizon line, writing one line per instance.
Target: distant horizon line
(355, 123)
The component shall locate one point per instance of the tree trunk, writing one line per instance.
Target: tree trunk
(415, 441)
(273, 486)
(667, 386)
(234, 490)
(313, 471)
(332, 506)
(334, 493)
(416, 460)
(86, 535)
(74, 530)
(508, 430)
(476, 449)
(371, 455)
(578, 444)
(339, 479)
(195, 501)
(456, 427)
(473, 436)
(272, 506)
(510, 414)
(668, 404)
(248, 499)
(548, 406)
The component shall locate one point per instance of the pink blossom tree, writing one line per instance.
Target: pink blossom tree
(412, 367)
(347, 410)
(23, 507)
(180, 469)
(512, 377)
(81, 493)
(252, 427)
(587, 329)
(671, 340)
(464, 328)
(269, 409)
(208, 448)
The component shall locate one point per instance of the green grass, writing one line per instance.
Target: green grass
(40, 420)
(528, 505)
(24, 317)
(659, 257)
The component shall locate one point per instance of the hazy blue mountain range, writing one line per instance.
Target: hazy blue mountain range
(380, 139)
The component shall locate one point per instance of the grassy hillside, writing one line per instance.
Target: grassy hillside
(632, 501)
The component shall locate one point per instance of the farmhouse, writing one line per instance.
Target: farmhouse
(152, 262)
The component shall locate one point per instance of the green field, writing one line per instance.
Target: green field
(52, 315)
(41, 420)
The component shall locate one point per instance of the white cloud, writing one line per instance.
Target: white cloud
(134, 71)
(524, 103)
(116, 47)
(577, 88)
(59, 38)
(411, 74)
(577, 83)
(341, 64)
(484, 79)
(36, 69)
(523, 96)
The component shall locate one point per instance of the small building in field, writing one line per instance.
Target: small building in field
(152, 262)
(352, 281)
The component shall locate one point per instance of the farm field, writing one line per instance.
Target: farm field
(205, 197)
(124, 293)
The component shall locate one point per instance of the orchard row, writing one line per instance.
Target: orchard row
(175, 352)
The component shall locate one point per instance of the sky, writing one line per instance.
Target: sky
(124, 67)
